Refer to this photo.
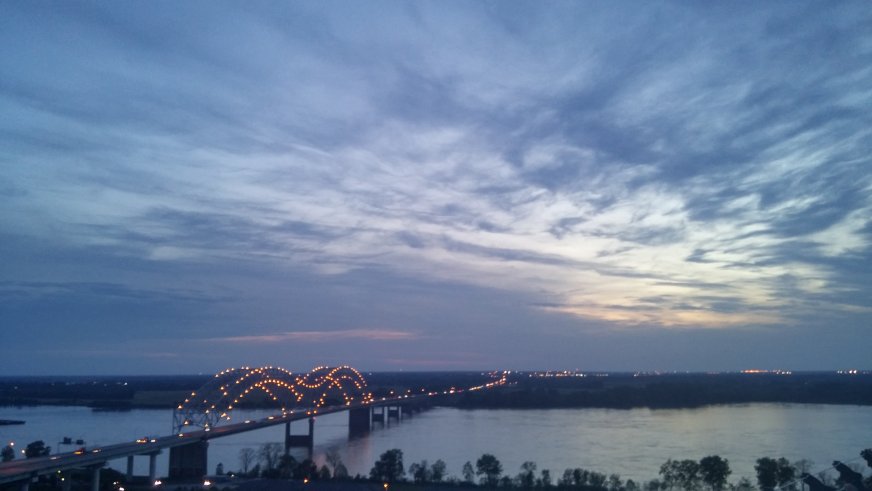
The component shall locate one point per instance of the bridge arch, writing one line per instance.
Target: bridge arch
(215, 400)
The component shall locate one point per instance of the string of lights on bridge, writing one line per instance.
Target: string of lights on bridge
(321, 387)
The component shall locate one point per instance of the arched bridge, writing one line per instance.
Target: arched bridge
(324, 390)
(321, 387)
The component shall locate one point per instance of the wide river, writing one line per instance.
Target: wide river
(632, 443)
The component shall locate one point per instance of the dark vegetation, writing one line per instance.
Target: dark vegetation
(525, 391)
(268, 467)
(710, 473)
(674, 391)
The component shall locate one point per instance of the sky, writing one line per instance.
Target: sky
(445, 185)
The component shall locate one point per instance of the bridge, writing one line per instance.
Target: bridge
(207, 412)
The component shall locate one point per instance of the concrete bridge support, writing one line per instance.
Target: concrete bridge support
(95, 478)
(378, 416)
(129, 468)
(300, 441)
(152, 467)
(187, 461)
(359, 421)
(395, 412)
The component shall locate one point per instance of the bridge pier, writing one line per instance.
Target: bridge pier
(378, 416)
(95, 478)
(300, 441)
(395, 412)
(129, 467)
(359, 421)
(188, 460)
(152, 467)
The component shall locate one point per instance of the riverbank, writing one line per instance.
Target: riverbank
(525, 390)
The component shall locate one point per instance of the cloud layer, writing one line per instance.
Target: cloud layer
(516, 178)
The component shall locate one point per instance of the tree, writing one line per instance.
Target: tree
(287, 466)
(596, 479)
(567, 479)
(437, 471)
(545, 480)
(867, 456)
(490, 468)
(715, 471)
(306, 470)
(580, 477)
(269, 455)
(654, 485)
(333, 458)
(767, 473)
(389, 466)
(683, 474)
(340, 471)
(7, 454)
(744, 484)
(36, 449)
(527, 476)
(420, 472)
(786, 474)
(615, 483)
(468, 472)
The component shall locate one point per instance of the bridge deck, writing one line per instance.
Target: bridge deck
(21, 470)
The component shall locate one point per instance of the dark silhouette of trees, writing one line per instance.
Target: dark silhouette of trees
(867, 456)
(786, 474)
(815, 484)
(286, 466)
(767, 473)
(715, 471)
(334, 460)
(682, 474)
(246, 458)
(490, 468)
(269, 454)
(615, 483)
(420, 472)
(848, 475)
(545, 479)
(772, 473)
(389, 467)
(36, 449)
(7, 454)
(527, 476)
(468, 472)
(437, 471)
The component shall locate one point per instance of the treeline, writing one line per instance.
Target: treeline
(524, 390)
(673, 391)
(711, 473)
(105, 392)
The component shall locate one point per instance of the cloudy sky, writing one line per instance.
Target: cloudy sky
(438, 185)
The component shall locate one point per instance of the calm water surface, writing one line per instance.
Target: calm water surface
(633, 443)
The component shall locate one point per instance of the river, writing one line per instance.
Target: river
(632, 443)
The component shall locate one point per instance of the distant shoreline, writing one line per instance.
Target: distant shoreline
(526, 390)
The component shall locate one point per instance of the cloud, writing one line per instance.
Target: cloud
(323, 336)
(581, 160)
